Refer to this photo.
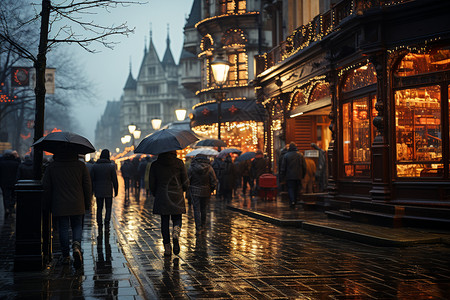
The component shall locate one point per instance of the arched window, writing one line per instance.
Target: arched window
(358, 111)
(422, 63)
(206, 42)
(320, 91)
(297, 100)
(234, 38)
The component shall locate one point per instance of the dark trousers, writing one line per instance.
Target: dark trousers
(165, 230)
(107, 201)
(64, 222)
(293, 187)
(200, 204)
(8, 198)
(246, 180)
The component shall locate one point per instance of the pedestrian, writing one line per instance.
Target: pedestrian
(135, 181)
(25, 169)
(281, 182)
(293, 170)
(218, 165)
(257, 168)
(203, 181)
(90, 164)
(126, 171)
(141, 170)
(105, 186)
(68, 192)
(321, 174)
(227, 179)
(8, 170)
(168, 182)
(244, 168)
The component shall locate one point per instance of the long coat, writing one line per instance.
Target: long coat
(293, 166)
(168, 181)
(228, 177)
(67, 186)
(104, 179)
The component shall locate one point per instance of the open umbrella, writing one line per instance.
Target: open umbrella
(64, 141)
(224, 152)
(204, 151)
(166, 140)
(245, 156)
(211, 143)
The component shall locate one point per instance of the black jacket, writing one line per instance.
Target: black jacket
(25, 170)
(104, 179)
(168, 180)
(293, 166)
(202, 177)
(8, 170)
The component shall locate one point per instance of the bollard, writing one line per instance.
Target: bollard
(29, 254)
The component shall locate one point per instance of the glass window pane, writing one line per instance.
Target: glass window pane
(418, 131)
(361, 77)
(347, 124)
(361, 131)
(432, 61)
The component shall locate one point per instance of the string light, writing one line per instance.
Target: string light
(227, 15)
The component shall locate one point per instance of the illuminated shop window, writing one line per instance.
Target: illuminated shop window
(297, 100)
(421, 63)
(357, 135)
(361, 77)
(320, 91)
(232, 6)
(238, 73)
(419, 132)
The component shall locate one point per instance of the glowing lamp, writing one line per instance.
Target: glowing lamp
(137, 134)
(156, 124)
(127, 138)
(220, 68)
(181, 114)
(131, 128)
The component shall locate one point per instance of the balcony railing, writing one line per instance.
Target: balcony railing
(317, 29)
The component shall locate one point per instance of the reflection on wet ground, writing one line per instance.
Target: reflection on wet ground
(242, 257)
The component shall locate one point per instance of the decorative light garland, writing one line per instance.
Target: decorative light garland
(227, 15)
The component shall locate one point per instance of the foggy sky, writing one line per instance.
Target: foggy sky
(108, 70)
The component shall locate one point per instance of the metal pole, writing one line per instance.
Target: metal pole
(219, 114)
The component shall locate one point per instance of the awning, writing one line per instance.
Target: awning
(232, 111)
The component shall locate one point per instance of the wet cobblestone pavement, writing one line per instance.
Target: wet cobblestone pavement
(239, 257)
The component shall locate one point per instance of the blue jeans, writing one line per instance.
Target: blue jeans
(63, 226)
(108, 206)
(293, 187)
(200, 204)
(165, 231)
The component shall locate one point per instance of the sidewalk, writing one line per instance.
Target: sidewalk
(278, 212)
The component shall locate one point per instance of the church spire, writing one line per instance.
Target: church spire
(168, 36)
(168, 57)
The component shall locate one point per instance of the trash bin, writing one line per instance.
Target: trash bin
(29, 255)
(267, 186)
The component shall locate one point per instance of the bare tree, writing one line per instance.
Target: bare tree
(66, 22)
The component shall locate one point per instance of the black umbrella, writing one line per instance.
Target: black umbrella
(245, 156)
(64, 141)
(211, 143)
(224, 152)
(166, 140)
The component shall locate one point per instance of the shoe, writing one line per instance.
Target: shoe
(167, 249)
(176, 238)
(77, 255)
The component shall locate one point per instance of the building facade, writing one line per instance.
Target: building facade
(237, 31)
(107, 131)
(368, 81)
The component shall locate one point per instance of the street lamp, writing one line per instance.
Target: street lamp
(181, 114)
(220, 68)
(135, 133)
(156, 123)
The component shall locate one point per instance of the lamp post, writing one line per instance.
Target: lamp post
(220, 68)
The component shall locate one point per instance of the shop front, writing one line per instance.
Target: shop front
(381, 80)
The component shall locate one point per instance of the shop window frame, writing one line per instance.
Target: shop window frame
(369, 91)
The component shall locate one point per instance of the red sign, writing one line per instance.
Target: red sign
(20, 76)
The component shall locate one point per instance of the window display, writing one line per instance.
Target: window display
(419, 132)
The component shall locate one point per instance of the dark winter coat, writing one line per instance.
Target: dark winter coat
(25, 170)
(104, 179)
(67, 186)
(202, 177)
(228, 178)
(258, 167)
(168, 181)
(127, 169)
(8, 170)
(293, 166)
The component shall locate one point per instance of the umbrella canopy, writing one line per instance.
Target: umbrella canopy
(204, 151)
(211, 143)
(246, 156)
(64, 141)
(166, 140)
(224, 152)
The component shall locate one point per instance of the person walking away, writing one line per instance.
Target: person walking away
(8, 169)
(203, 181)
(218, 165)
(321, 174)
(293, 170)
(25, 169)
(68, 192)
(126, 170)
(141, 170)
(168, 182)
(228, 179)
(281, 181)
(245, 167)
(105, 186)
(257, 168)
